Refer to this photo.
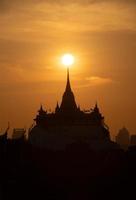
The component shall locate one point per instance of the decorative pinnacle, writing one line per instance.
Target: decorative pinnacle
(68, 87)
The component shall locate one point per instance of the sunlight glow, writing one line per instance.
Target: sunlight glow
(67, 59)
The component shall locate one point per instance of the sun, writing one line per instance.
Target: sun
(67, 59)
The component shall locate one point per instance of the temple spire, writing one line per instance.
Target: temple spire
(68, 87)
(68, 104)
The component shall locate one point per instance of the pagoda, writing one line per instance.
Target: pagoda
(69, 124)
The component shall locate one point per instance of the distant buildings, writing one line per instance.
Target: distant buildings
(133, 140)
(69, 124)
(18, 133)
(123, 138)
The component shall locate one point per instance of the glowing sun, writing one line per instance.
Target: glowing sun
(67, 59)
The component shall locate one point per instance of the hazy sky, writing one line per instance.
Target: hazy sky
(102, 36)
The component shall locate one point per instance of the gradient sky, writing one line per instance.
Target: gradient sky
(102, 36)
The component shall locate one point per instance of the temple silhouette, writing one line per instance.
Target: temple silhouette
(69, 124)
(68, 155)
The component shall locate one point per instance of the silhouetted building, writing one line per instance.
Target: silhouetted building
(18, 133)
(123, 138)
(4, 136)
(69, 124)
(133, 140)
(3, 144)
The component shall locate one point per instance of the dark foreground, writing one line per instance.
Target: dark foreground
(28, 172)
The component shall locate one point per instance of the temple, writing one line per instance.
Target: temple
(69, 124)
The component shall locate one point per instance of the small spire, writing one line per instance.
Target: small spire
(68, 87)
(41, 108)
(96, 107)
(57, 107)
(57, 104)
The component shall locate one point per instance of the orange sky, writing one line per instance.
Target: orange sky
(102, 36)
